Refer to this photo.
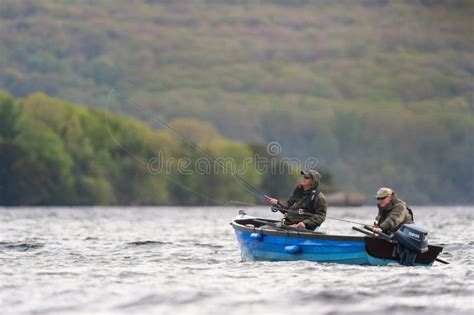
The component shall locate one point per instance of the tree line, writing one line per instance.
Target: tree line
(55, 153)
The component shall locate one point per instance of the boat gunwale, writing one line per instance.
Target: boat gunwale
(292, 233)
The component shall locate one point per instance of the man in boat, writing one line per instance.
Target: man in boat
(307, 206)
(393, 212)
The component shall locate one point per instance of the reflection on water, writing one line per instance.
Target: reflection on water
(186, 261)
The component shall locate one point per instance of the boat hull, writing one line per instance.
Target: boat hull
(277, 248)
(277, 244)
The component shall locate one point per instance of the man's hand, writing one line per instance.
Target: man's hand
(271, 201)
(377, 229)
(299, 225)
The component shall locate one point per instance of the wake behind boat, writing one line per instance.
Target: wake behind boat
(263, 239)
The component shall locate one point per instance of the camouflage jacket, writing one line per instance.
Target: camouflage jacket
(395, 215)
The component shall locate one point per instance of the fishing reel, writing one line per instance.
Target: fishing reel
(277, 208)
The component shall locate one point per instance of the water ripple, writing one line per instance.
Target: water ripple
(146, 243)
(164, 261)
(20, 246)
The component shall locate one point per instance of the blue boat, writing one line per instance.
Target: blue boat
(263, 239)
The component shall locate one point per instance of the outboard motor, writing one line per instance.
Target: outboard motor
(412, 240)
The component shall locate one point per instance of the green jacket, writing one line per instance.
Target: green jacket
(395, 215)
(311, 201)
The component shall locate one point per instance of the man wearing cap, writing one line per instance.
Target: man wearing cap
(306, 199)
(393, 212)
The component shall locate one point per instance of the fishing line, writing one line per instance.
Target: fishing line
(242, 203)
(312, 214)
(348, 221)
(207, 198)
(242, 182)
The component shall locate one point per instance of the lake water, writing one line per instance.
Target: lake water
(186, 261)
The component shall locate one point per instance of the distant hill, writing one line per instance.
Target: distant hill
(379, 91)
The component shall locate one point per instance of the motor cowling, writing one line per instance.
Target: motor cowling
(412, 240)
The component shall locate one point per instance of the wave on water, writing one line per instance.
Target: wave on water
(132, 274)
(58, 273)
(20, 246)
(328, 296)
(170, 299)
(207, 245)
(90, 238)
(146, 243)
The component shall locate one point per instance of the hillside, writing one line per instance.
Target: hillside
(55, 153)
(379, 91)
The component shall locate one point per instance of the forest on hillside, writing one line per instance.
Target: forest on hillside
(55, 153)
(380, 92)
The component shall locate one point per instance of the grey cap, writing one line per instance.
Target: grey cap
(383, 192)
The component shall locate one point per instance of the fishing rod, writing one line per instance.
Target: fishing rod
(241, 181)
(348, 221)
(283, 209)
(241, 203)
